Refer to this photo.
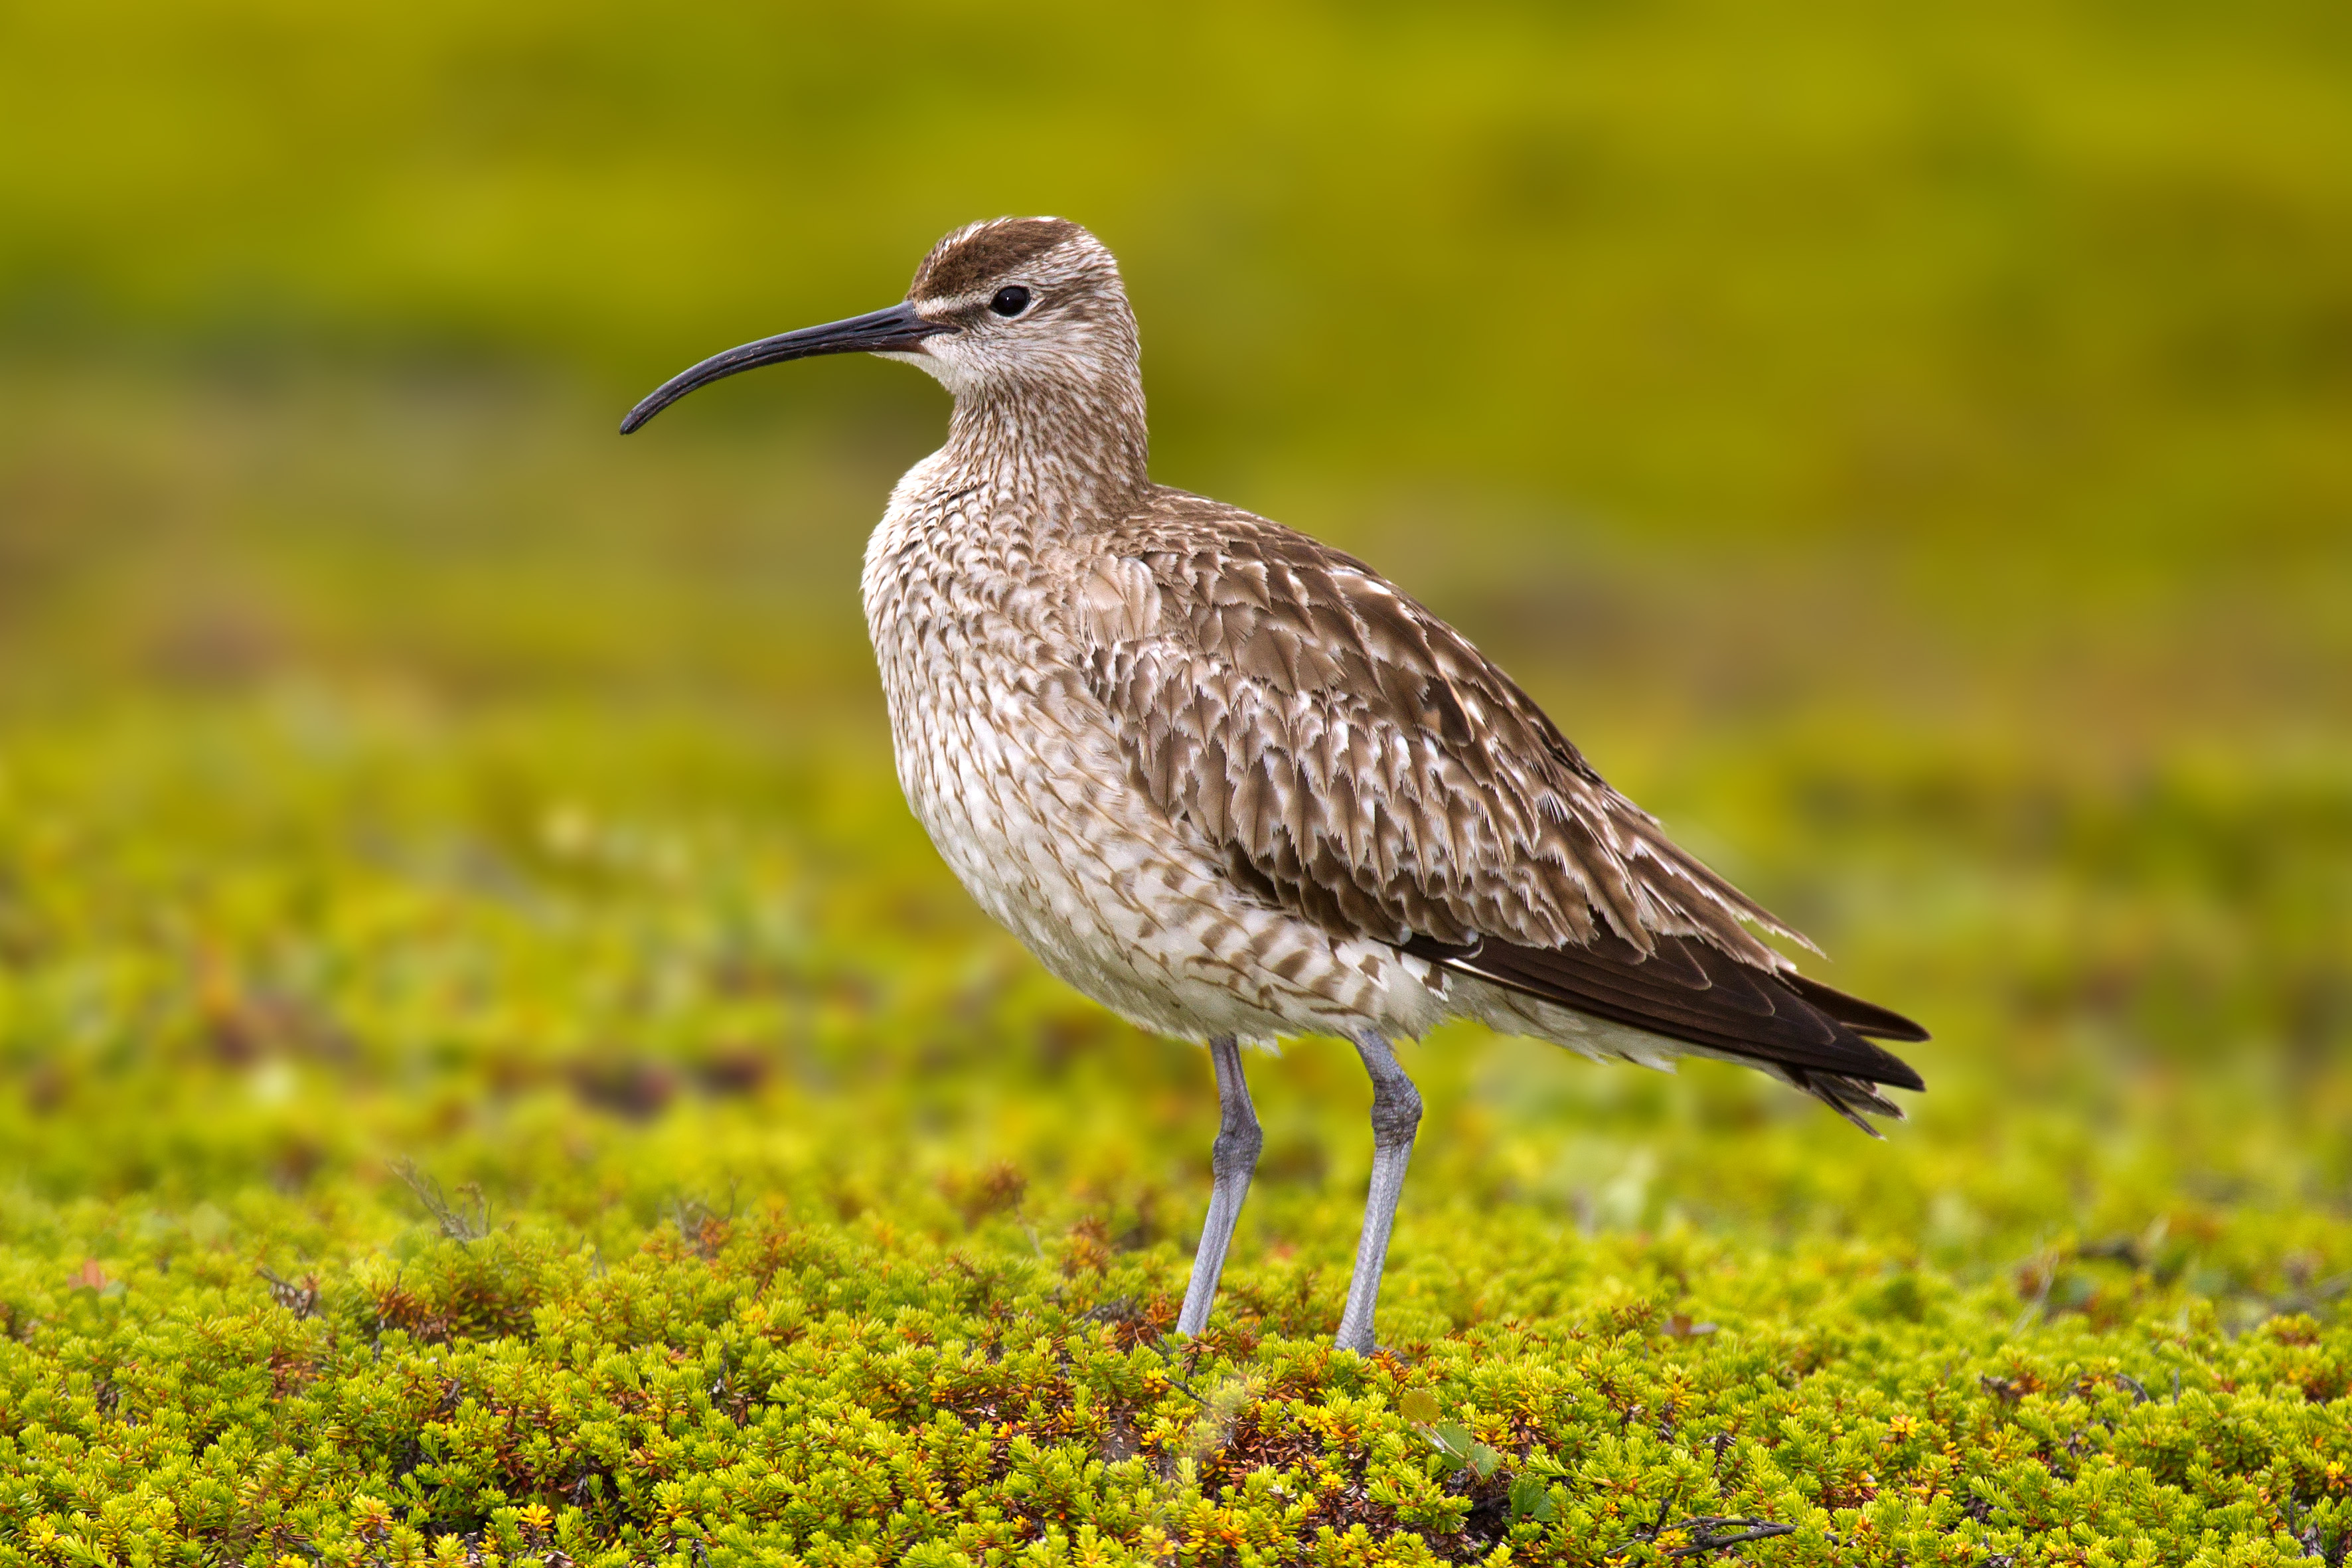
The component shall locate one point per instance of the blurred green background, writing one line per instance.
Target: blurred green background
(1910, 448)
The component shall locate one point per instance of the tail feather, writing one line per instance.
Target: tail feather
(1849, 1096)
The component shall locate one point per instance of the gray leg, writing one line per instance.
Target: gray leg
(1233, 1160)
(1396, 1115)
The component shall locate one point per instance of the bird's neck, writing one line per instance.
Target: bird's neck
(1077, 451)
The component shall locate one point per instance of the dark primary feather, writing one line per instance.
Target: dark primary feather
(1358, 763)
(1813, 1034)
(1690, 991)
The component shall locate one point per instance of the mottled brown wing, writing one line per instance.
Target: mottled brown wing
(1368, 766)
(1362, 765)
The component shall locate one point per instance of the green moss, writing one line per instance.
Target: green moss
(765, 1207)
(770, 1389)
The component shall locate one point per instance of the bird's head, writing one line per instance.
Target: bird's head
(1013, 303)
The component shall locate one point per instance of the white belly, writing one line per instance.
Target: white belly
(1016, 774)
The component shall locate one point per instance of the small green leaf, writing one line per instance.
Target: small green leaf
(1453, 1443)
(1419, 1407)
(1531, 1499)
(1482, 1461)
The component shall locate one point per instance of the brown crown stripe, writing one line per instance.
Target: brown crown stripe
(966, 263)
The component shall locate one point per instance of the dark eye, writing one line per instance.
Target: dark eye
(1010, 302)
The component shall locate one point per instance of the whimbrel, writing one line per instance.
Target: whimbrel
(1234, 785)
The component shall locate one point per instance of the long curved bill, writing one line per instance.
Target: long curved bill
(896, 330)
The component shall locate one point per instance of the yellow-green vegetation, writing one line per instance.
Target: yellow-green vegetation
(761, 1205)
(490, 1073)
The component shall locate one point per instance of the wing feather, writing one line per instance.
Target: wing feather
(1360, 764)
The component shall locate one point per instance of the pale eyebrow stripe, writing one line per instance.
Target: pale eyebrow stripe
(956, 303)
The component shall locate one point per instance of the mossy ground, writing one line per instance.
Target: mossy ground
(603, 1134)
